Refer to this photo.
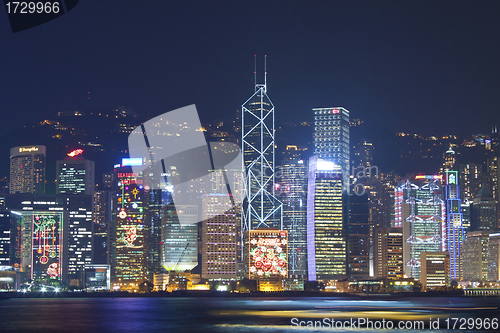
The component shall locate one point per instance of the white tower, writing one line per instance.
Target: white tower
(260, 208)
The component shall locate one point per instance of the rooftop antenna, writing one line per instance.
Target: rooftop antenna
(255, 70)
(265, 73)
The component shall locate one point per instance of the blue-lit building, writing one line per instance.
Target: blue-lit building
(454, 227)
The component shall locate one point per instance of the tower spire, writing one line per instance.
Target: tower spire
(255, 70)
(265, 73)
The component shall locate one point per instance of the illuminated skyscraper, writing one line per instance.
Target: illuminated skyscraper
(474, 256)
(4, 234)
(470, 179)
(331, 137)
(75, 176)
(357, 209)
(27, 170)
(455, 232)
(435, 267)
(292, 189)
(219, 238)
(388, 253)
(484, 211)
(79, 236)
(52, 236)
(422, 212)
(129, 255)
(326, 236)
(179, 243)
(260, 209)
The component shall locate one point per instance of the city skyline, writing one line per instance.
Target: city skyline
(383, 61)
(320, 154)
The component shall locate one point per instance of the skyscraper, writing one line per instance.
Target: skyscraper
(292, 189)
(388, 256)
(219, 238)
(4, 234)
(75, 176)
(27, 170)
(484, 211)
(455, 232)
(260, 207)
(79, 236)
(179, 242)
(434, 270)
(326, 236)
(129, 255)
(474, 256)
(331, 137)
(357, 211)
(422, 212)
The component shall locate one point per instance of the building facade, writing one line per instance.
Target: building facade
(331, 137)
(219, 238)
(27, 170)
(388, 253)
(292, 192)
(179, 242)
(75, 176)
(326, 234)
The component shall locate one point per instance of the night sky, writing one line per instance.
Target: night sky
(430, 67)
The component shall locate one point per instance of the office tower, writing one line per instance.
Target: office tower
(265, 254)
(179, 243)
(421, 211)
(388, 253)
(103, 217)
(131, 230)
(455, 231)
(470, 180)
(493, 175)
(331, 137)
(153, 218)
(4, 234)
(466, 214)
(75, 176)
(292, 192)
(79, 236)
(260, 208)
(27, 170)
(435, 273)
(219, 238)
(484, 211)
(39, 224)
(494, 257)
(364, 156)
(326, 236)
(358, 235)
(475, 256)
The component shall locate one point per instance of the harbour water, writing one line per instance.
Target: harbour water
(252, 314)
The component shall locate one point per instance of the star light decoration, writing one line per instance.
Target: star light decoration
(268, 257)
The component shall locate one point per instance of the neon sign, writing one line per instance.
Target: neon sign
(131, 161)
(28, 150)
(451, 177)
(75, 152)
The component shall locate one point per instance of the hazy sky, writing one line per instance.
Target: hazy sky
(419, 66)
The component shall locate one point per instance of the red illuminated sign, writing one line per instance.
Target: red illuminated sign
(127, 175)
(75, 152)
(335, 111)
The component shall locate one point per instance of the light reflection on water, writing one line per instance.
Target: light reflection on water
(225, 314)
